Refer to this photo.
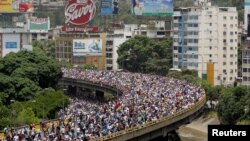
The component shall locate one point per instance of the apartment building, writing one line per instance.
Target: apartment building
(205, 38)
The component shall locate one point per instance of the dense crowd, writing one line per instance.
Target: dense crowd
(145, 98)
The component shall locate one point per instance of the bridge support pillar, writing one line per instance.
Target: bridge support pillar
(99, 95)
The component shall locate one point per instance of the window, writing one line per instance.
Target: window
(236, 25)
(231, 18)
(231, 40)
(210, 47)
(210, 40)
(231, 78)
(231, 71)
(210, 24)
(224, 17)
(210, 55)
(196, 40)
(224, 48)
(231, 48)
(224, 33)
(231, 25)
(224, 55)
(231, 63)
(244, 69)
(231, 55)
(224, 63)
(231, 33)
(224, 71)
(224, 25)
(236, 17)
(235, 40)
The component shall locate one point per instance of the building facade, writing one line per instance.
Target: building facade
(205, 38)
(246, 64)
(76, 49)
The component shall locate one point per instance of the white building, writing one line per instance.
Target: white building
(246, 65)
(157, 30)
(205, 38)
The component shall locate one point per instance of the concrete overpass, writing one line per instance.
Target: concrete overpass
(148, 131)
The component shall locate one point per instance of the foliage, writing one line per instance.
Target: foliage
(232, 104)
(23, 73)
(89, 67)
(48, 46)
(142, 54)
(27, 116)
(5, 113)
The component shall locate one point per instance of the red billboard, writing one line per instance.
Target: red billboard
(79, 29)
(79, 12)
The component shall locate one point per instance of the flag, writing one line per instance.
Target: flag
(118, 106)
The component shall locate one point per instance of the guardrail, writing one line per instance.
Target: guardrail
(153, 125)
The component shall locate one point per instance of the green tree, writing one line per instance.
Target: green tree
(5, 120)
(232, 103)
(142, 54)
(26, 116)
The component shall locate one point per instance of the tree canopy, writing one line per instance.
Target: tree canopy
(24, 73)
(142, 54)
(28, 80)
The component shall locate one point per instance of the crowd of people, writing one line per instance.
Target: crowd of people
(144, 98)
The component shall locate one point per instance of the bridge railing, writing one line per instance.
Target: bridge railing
(153, 125)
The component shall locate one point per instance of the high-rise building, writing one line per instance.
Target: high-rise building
(205, 38)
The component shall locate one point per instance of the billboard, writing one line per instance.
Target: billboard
(79, 29)
(14, 6)
(79, 12)
(152, 7)
(38, 24)
(10, 45)
(109, 7)
(84, 47)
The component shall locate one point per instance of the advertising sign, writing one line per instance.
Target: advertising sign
(15, 6)
(10, 45)
(79, 12)
(39, 24)
(109, 7)
(83, 47)
(79, 29)
(152, 7)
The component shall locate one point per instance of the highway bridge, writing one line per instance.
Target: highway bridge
(148, 131)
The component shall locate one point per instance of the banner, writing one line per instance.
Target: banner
(15, 6)
(79, 29)
(152, 7)
(11, 45)
(109, 7)
(38, 24)
(84, 47)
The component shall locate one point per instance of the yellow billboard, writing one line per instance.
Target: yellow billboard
(12, 6)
